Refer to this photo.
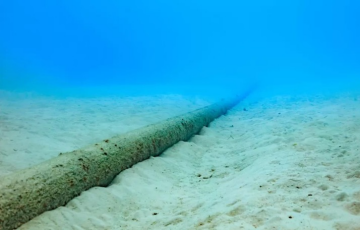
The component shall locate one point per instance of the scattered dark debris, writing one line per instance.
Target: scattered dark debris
(329, 177)
(85, 168)
(60, 165)
(105, 153)
(207, 177)
(107, 141)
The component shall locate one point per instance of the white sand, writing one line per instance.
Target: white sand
(286, 163)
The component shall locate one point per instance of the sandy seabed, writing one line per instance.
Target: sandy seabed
(275, 163)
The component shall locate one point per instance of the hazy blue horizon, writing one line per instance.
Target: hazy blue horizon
(226, 43)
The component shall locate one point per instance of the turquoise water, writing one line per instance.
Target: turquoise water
(65, 44)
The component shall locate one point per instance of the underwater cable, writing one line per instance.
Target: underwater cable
(29, 192)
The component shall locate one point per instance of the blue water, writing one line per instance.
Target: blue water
(79, 48)
(221, 44)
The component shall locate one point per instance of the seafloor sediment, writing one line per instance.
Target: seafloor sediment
(281, 162)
